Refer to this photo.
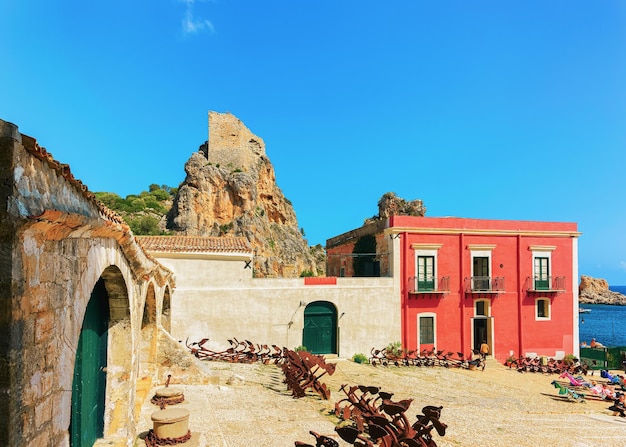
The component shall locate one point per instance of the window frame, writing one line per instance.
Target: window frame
(486, 308)
(423, 251)
(423, 283)
(433, 318)
(547, 309)
(481, 283)
(541, 252)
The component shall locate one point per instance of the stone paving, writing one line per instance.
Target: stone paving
(251, 406)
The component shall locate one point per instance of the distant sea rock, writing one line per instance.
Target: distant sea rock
(596, 291)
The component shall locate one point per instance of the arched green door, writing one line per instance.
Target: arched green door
(320, 328)
(89, 385)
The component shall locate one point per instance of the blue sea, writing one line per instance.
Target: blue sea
(605, 323)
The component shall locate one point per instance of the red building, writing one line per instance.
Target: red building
(463, 281)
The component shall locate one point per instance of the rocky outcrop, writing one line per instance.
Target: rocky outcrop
(230, 190)
(391, 205)
(596, 291)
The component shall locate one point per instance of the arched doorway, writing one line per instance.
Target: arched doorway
(320, 328)
(106, 329)
(89, 383)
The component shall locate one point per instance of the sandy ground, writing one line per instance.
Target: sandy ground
(494, 407)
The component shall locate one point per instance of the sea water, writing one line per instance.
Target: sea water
(606, 323)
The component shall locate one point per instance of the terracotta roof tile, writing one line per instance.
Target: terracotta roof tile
(194, 244)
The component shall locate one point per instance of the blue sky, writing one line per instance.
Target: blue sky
(483, 109)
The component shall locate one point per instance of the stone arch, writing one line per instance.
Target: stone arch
(110, 292)
(166, 311)
(148, 345)
(150, 307)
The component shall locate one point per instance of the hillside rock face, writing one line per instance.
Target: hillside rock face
(596, 291)
(230, 190)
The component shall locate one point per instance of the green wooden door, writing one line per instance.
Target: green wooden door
(425, 273)
(89, 385)
(320, 328)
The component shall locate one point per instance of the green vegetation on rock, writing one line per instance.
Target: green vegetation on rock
(142, 212)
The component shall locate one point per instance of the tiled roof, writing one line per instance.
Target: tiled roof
(195, 244)
(62, 169)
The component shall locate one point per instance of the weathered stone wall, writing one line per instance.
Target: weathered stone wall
(56, 243)
(231, 144)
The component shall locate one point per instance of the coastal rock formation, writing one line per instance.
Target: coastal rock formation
(230, 190)
(596, 291)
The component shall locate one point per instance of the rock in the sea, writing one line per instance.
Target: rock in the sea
(596, 291)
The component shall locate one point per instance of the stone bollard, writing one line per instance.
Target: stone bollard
(170, 392)
(172, 423)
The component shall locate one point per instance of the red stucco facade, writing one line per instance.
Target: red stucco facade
(462, 281)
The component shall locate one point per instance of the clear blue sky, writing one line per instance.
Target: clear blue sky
(484, 109)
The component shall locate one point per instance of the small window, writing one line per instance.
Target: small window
(427, 333)
(543, 309)
(482, 308)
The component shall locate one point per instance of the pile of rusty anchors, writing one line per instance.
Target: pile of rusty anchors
(239, 352)
(303, 370)
(372, 419)
(446, 359)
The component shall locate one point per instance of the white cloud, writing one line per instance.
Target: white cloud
(192, 24)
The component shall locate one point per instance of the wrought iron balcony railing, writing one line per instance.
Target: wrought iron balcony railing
(429, 284)
(484, 284)
(545, 284)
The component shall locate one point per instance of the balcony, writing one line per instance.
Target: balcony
(484, 284)
(430, 285)
(546, 284)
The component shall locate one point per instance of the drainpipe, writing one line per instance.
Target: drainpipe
(519, 295)
(462, 292)
(403, 288)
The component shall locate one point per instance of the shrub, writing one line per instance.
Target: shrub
(300, 348)
(145, 226)
(360, 358)
(306, 273)
(394, 349)
(570, 359)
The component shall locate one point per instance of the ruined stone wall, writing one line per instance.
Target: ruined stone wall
(56, 242)
(231, 144)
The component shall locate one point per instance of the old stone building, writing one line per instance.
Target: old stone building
(80, 307)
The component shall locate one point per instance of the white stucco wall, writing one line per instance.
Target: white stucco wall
(218, 299)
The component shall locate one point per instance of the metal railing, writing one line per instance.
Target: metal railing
(545, 284)
(489, 284)
(429, 284)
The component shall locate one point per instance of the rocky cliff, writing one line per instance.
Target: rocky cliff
(230, 190)
(596, 291)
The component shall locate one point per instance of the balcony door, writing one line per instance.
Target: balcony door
(542, 273)
(480, 272)
(425, 273)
